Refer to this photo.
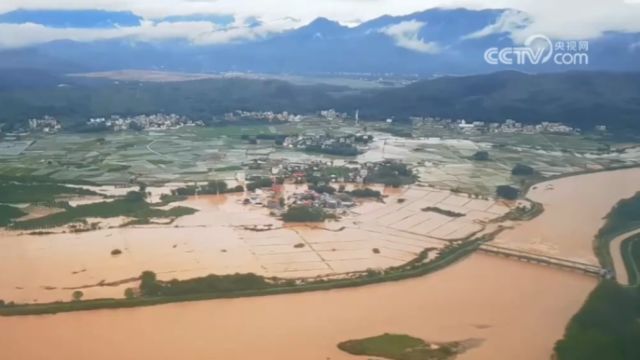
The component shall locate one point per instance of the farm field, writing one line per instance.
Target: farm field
(201, 154)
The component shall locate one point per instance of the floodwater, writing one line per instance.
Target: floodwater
(215, 240)
(518, 309)
(575, 208)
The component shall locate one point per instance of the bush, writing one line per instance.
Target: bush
(135, 196)
(116, 252)
(77, 295)
(481, 156)
(323, 189)
(304, 214)
(129, 293)
(507, 192)
(215, 187)
(391, 174)
(365, 193)
(260, 183)
(522, 170)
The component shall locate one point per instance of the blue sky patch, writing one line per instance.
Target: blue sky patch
(88, 19)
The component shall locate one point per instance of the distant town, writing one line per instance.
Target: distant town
(51, 125)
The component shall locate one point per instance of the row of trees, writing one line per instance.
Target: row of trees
(151, 286)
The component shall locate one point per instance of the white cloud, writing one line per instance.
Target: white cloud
(509, 22)
(197, 32)
(560, 19)
(566, 19)
(407, 35)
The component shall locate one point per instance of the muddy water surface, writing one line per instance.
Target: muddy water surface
(519, 310)
(575, 208)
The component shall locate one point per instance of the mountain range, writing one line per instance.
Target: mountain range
(432, 42)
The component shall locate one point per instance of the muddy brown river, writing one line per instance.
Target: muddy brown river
(518, 309)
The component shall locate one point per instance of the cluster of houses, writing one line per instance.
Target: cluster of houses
(142, 122)
(47, 124)
(331, 114)
(335, 201)
(300, 172)
(269, 116)
(509, 126)
(326, 141)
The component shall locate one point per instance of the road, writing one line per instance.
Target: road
(618, 262)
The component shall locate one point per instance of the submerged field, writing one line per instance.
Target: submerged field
(220, 239)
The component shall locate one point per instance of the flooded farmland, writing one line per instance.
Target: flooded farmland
(518, 310)
(218, 240)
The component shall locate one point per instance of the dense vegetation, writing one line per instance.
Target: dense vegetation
(305, 214)
(624, 217)
(150, 286)
(9, 213)
(204, 100)
(575, 98)
(582, 99)
(399, 347)
(133, 205)
(607, 326)
(36, 192)
(391, 174)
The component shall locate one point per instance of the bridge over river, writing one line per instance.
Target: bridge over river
(535, 258)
